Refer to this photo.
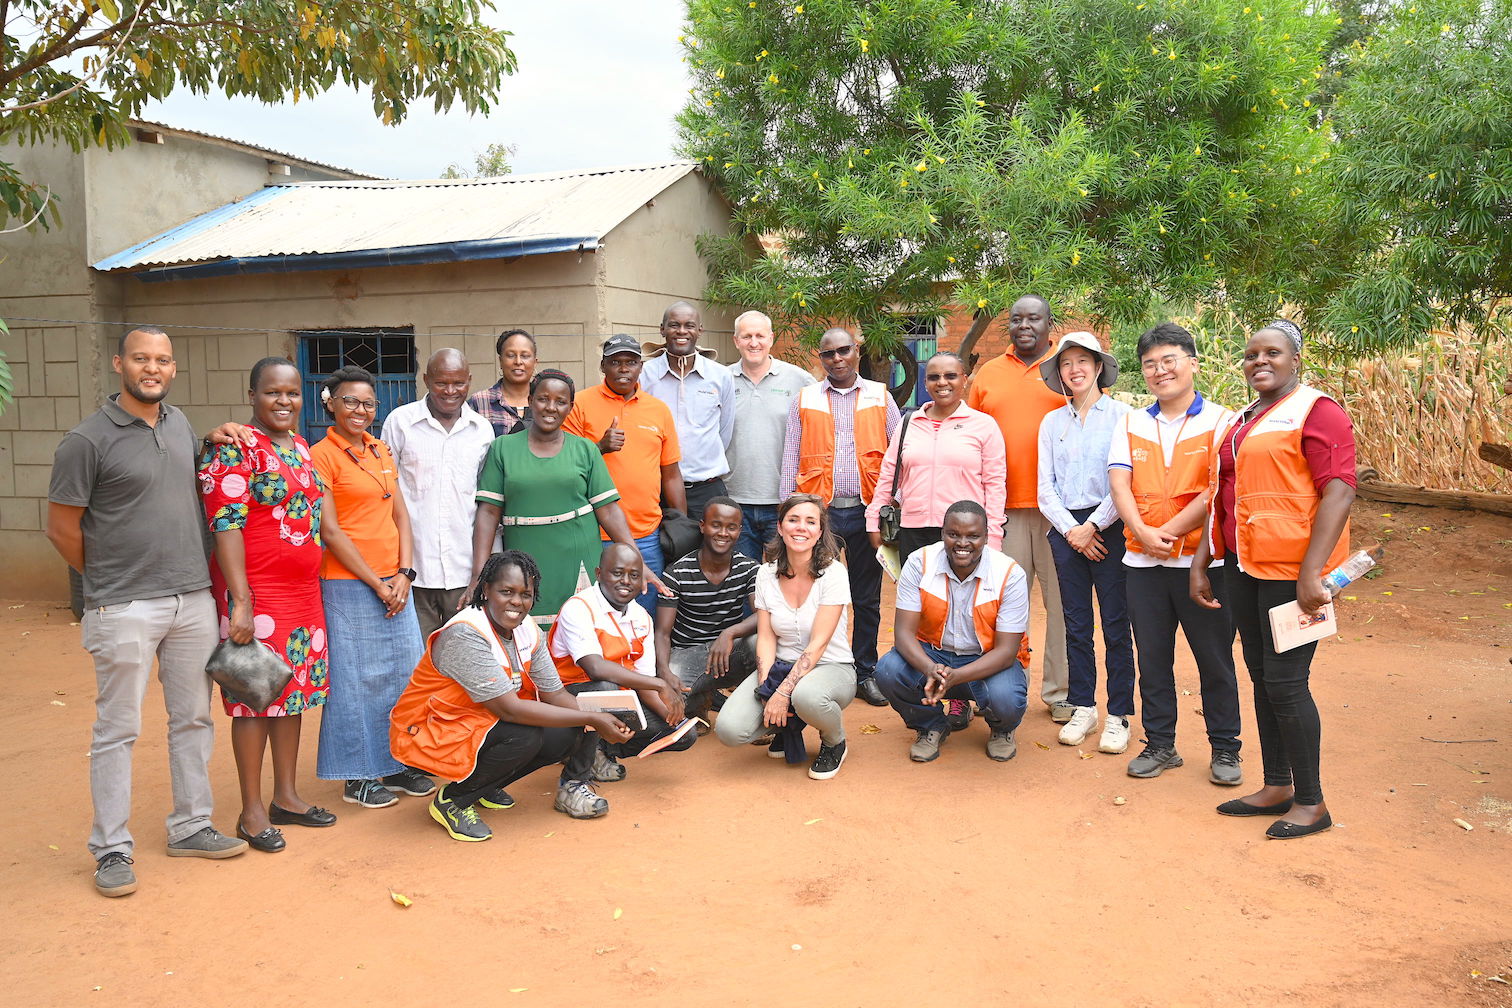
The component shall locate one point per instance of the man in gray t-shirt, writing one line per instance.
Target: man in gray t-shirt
(765, 388)
(124, 511)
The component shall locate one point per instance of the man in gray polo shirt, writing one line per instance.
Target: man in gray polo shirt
(124, 511)
(765, 388)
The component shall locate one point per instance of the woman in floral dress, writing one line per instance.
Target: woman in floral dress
(263, 504)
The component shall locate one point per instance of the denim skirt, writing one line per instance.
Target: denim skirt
(371, 660)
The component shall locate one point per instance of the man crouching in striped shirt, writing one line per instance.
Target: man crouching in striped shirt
(706, 630)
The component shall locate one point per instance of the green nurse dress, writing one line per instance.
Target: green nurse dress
(548, 509)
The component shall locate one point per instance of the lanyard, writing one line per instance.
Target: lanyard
(383, 484)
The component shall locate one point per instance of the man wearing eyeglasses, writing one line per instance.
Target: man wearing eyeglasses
(701, 396)
(439, 443)
(837, 434)
(1012, 390)
(1158, 471)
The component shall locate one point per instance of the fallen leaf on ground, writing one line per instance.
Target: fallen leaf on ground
(400, 898)
(1463, 825)
(606, 949)
(870, 729)
(548, 836)
(812, 821)
(1083, 755)
(1120, 800)
(52, 846)
(1042, 745)
(1349, 598)
(59, 703)
(23, 606)
(518, 990)
(618, 913)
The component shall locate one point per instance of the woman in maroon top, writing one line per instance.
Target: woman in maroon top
(1285, 713)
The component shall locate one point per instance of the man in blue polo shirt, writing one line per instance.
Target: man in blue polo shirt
(701, 396)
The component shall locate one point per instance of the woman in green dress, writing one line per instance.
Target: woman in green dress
(551, 493)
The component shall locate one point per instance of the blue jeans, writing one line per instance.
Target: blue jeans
(1078, 578)
(371, 660)
(650, 551)
(1001, 697)
(758, 527)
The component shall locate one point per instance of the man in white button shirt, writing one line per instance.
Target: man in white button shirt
(439, 443)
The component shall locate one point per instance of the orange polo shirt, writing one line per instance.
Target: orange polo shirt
(357, 478)
(650, 443)
(1014, 394)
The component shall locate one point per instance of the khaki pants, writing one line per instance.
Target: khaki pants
(178, 632)
(1025, 539)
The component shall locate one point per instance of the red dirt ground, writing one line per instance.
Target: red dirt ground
(721, 878)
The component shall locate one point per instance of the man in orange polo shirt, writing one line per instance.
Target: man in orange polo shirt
(1013, 391)
(637, 436)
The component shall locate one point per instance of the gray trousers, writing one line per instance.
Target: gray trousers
(434, 606)
(1025, 539)
(179, 631)
(819, 698)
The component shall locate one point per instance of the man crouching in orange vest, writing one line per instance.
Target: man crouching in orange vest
(485, 706)
(604, 640)
(959, 631)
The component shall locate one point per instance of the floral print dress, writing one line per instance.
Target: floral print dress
(272, 494)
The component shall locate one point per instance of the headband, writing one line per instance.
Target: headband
(1291, 330)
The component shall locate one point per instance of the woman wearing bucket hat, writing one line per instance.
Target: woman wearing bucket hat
(1086, 535)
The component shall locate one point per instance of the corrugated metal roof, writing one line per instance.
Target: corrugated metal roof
(362, 220)
(253, 148)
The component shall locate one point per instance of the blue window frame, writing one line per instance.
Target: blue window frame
(388, 354)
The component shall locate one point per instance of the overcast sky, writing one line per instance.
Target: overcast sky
(598, 84)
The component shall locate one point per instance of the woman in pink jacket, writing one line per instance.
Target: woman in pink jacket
(951, 452)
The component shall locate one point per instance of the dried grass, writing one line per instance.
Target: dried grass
(1420, 416)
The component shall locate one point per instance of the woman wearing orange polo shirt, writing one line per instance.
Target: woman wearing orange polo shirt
(1280, 514)
(373, 635)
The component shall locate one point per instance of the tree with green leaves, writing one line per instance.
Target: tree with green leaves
(491, 162)
(1423, 164)
(904, 156)
(74, 71)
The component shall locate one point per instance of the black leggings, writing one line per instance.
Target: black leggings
(511, 751)
(1285, 713)
(911, 539)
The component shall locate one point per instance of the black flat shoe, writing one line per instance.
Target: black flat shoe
(314, 816)
(270, 840)
(1290, 831)
(1242, 808)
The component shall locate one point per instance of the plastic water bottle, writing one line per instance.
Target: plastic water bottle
(1351, 570)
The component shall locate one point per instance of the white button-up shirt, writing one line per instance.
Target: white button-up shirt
(438, 475)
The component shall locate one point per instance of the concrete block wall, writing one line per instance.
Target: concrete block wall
(55, 369)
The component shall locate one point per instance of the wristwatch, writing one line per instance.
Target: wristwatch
(408, 572)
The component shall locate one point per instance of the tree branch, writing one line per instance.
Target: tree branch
(78, 44)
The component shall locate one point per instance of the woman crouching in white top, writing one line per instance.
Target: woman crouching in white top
(805, 673)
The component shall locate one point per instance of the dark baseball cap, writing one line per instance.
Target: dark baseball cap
(620, 343)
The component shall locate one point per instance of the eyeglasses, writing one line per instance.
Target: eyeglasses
(353, 403)
(1166, 363)
(839, 351)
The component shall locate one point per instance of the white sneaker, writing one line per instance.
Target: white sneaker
(1115, 736)
(1083, 723)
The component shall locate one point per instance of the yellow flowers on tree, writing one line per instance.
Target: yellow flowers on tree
(76, 71)
(973, 150)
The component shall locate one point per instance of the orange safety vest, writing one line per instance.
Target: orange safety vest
(816, 439)
(1274, 497)
(614, 645)
(436, 726)
(1160, 491)
(992, 582)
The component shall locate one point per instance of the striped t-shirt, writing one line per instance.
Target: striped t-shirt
(703, 609)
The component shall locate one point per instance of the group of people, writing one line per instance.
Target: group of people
(453, 590)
